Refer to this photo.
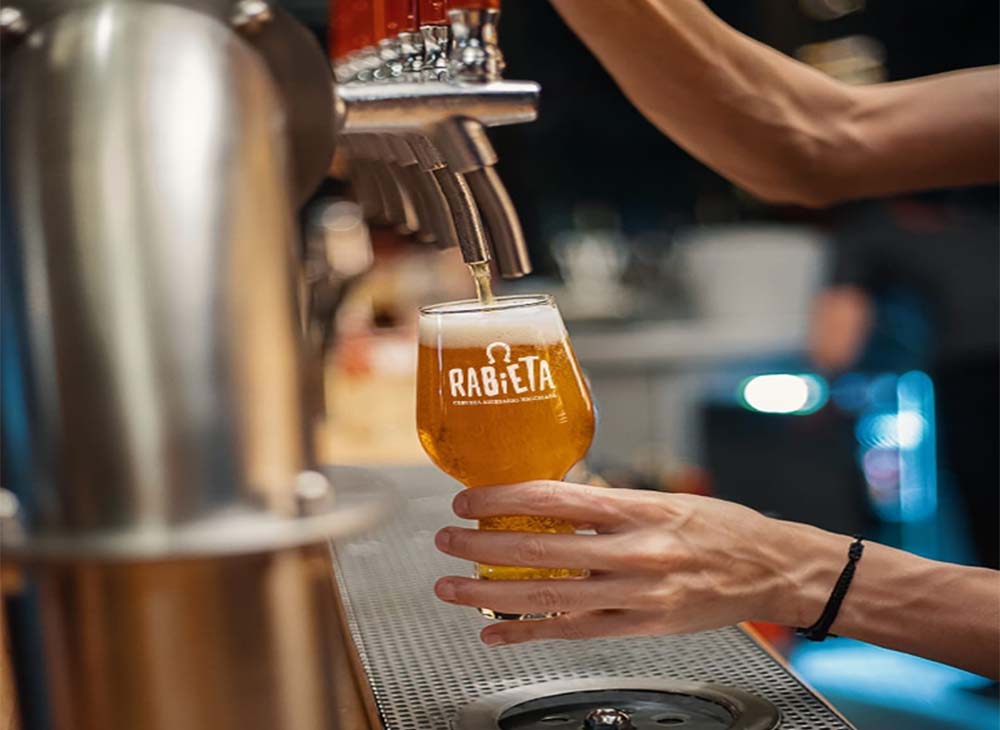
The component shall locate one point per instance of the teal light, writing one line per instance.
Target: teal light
(784, 393)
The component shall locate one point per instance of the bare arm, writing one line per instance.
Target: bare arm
(949, 613)
(779, 128)
(676, 563)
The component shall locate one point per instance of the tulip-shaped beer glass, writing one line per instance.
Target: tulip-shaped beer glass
(500, 399)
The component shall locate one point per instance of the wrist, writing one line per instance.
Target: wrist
(808, 562)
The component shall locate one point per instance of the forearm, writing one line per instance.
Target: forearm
(779, 128)
(940, 131)
(765, 121)
(945, 612)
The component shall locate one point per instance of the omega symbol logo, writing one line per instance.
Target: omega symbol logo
(489, 352)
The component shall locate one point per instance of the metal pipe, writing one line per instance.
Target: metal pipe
(406, 220)
(367, 190)
(500, 218)
(407, 107)
(468, 226)
(432, 207)
(396, 206)
(466, 149)
(461, 204)
(439, 210)
(412, 181)
(365, 180)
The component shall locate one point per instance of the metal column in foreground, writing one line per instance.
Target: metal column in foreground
(153, 371)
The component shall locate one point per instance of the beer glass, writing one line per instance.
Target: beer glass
(500, 399)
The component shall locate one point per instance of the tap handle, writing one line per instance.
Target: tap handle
(352, 26)
(473, 4)
(400, 17)
(378, 20)
(432, 12)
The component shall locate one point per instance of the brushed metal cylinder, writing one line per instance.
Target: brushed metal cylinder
(145, 161)
(250, 643)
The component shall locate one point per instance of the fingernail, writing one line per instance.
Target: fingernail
(493, 640)
(461, 504)
(443, 539)
(445, 591)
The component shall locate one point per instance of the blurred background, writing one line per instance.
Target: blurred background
(835, 367)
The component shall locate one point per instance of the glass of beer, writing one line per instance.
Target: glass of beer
(501, 399)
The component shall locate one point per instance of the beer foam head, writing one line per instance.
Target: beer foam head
(516, 320)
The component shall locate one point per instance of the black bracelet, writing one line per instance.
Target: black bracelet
(821, 629)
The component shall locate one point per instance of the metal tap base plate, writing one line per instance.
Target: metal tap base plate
(645, 704)
(424, 661)
(360, 500)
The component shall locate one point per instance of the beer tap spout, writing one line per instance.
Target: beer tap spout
(467, 150)
(507, 242)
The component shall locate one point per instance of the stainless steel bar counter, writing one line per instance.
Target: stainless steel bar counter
(423, 660)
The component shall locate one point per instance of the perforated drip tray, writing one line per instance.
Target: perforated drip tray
(425, 664)
(611, 704)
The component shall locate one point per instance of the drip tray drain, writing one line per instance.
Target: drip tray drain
(617, 704)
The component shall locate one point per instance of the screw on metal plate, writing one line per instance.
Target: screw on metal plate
(250, 15)
(313, 492)
(13, 24)
(607, 718)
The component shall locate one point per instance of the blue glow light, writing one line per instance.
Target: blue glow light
(850, 392)
(917, 464)
(898, 447)
(784, 393)
(882, 391)
(892, 681)
(903, 430)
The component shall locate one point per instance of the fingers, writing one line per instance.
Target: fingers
(573, 626)
(540, 596)
(533, 549)
(577, 503)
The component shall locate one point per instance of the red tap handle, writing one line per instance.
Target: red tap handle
(378, 19)
(473, 4)
(432, 12)
(352, 26)
(400, 17)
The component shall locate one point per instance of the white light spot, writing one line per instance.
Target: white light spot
(777, 393)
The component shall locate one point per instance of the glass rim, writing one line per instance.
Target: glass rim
(499, 304)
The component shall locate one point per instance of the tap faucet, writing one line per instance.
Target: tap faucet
(475, 52)
(437, 90)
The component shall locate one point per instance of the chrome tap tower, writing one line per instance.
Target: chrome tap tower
(414, 107)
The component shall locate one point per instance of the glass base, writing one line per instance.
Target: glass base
(500, 616)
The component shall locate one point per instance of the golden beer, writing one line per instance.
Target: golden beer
(500, 399)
